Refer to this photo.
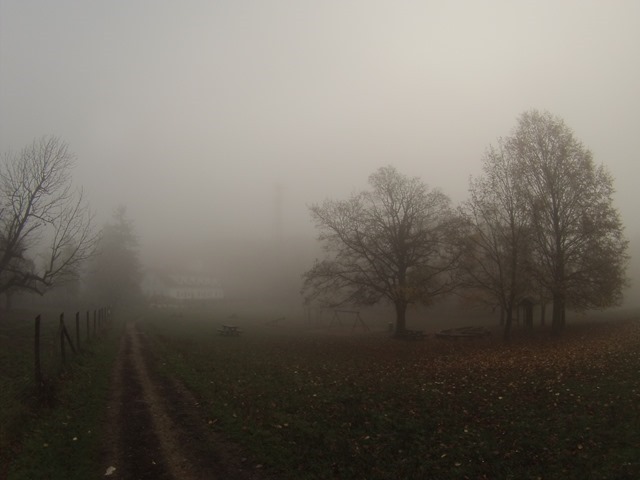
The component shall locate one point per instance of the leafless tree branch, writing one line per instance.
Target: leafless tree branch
(46, 227)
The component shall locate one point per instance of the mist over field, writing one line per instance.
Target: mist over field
(292, 239)
(217, 124)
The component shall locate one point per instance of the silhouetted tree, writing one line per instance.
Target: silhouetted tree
(394, 242)
(495, 260)
(45, 225)
(577, 242)
(114, 276)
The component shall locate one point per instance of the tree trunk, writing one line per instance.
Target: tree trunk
(528, 315)
(401, 318)
(543, 313)
(559, 278)
(507, 324)
(557, 318)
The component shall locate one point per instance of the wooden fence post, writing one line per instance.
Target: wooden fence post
(78, 330)
(61, 328)
(36, 344)
(64, 335)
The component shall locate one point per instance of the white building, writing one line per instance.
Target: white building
(182, 286)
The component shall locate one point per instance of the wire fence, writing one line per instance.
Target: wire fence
(51, 343)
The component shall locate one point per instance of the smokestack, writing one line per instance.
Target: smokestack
(277, 212)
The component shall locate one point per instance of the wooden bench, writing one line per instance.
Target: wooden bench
(229, 331)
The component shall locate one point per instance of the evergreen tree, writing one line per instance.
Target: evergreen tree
(115, 274)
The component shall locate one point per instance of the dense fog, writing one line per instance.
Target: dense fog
(217, 124)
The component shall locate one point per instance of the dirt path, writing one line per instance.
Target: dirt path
(156, 427)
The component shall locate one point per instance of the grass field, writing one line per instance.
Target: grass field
(329, 403)
(320, 405)
(17, 382)
(54, 432)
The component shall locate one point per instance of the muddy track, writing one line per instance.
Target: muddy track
(156, 429)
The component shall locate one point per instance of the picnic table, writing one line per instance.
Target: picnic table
(464, 332)
(230, 331)
(413, 334)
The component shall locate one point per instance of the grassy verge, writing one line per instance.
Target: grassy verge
(17, 378)
(61, 440)
(370, 407)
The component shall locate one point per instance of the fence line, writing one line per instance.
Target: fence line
(100, 318)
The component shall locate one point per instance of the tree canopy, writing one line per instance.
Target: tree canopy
(115, 274)
(564, 235)
(46, 230)
(495, 262)
(577, 235)
(394, 242)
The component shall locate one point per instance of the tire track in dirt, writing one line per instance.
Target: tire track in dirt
(156, 429)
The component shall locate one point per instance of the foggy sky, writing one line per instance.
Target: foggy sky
(194, 113)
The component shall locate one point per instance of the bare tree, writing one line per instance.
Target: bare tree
(395, 242)
(45, 225)
(577, 237)
(496, 258)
